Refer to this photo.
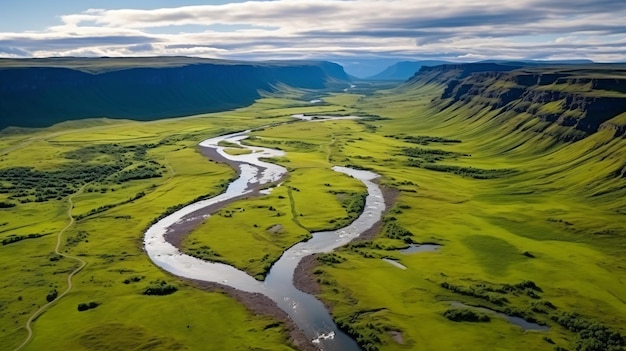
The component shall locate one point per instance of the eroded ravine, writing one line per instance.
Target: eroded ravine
(308, 313)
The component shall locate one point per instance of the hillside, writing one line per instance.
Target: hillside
(42, 92)
(403, 70)
(568, 103)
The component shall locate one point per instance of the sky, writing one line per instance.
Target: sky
(345, 31)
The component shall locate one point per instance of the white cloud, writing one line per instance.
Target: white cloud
(456, 29)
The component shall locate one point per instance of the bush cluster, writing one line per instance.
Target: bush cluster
(465, 315)
(160, 287)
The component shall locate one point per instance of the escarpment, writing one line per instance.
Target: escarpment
(576, 100)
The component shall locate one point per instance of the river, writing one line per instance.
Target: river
(305, 310)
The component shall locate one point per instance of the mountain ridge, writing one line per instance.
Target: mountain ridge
(578, 99)
(42, 92)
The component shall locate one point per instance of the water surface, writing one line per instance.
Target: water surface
(305, 310)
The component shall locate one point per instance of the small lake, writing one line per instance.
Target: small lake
(520, 322)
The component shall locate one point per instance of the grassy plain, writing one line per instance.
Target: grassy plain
(112, 214)
(557, 221)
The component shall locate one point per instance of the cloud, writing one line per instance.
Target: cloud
(456, 29)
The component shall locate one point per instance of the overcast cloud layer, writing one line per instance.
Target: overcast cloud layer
(284, 29)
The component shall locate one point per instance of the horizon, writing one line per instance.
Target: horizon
(384, 32)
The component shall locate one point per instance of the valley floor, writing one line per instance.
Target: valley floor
(529, 226)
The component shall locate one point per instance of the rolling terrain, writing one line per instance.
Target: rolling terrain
(517, 171)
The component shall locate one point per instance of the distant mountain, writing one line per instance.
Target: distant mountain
(404, 70)
(42, 92)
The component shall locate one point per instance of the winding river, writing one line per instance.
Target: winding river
(305, 310)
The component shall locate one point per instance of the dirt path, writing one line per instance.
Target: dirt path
(82, 265)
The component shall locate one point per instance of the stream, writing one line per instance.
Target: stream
(308, 313)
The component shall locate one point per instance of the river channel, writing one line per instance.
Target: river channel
(308, 313)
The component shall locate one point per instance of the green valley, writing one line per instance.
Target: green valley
(517, 171)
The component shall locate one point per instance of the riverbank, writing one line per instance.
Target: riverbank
(303, 310)
(177, 233)
(255, 302)
(303, 277)
(260, 305)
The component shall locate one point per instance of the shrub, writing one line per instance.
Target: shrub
(465, 315)
(52, 295)
(87, 306)
(160, 288)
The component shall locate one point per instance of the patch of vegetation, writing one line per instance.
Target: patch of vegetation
(203, 252)
(424, 139)
(28, 184)
(392, 230)
(354, 203)
(366, 327)
(480, 292)
(370, 128)
(465, 315)
(13, 238)
(476, 173)
(592, 336)
(4, 204)
(229, 144)
(133, 279)
(160, 287)
(143, 171)
(428, 155)
(52, 295)
(330, 258)
(116, 151)
(87, 306)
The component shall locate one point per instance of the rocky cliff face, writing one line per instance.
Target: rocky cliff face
(583, 98)
(42, 96)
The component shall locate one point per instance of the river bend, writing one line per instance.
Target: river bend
(305, 310)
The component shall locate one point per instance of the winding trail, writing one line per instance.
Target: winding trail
(82, 265)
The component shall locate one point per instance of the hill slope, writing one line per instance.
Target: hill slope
(35, 93)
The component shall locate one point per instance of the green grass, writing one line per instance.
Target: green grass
(546, 209)
(110, 241)
(249, 234)
(557, 221)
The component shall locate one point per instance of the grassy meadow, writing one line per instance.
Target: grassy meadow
(509, 207)
(145, 169)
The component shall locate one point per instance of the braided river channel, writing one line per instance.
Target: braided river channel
(308, 313)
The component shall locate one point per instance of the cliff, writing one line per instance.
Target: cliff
(576, 100)
(35, 93)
